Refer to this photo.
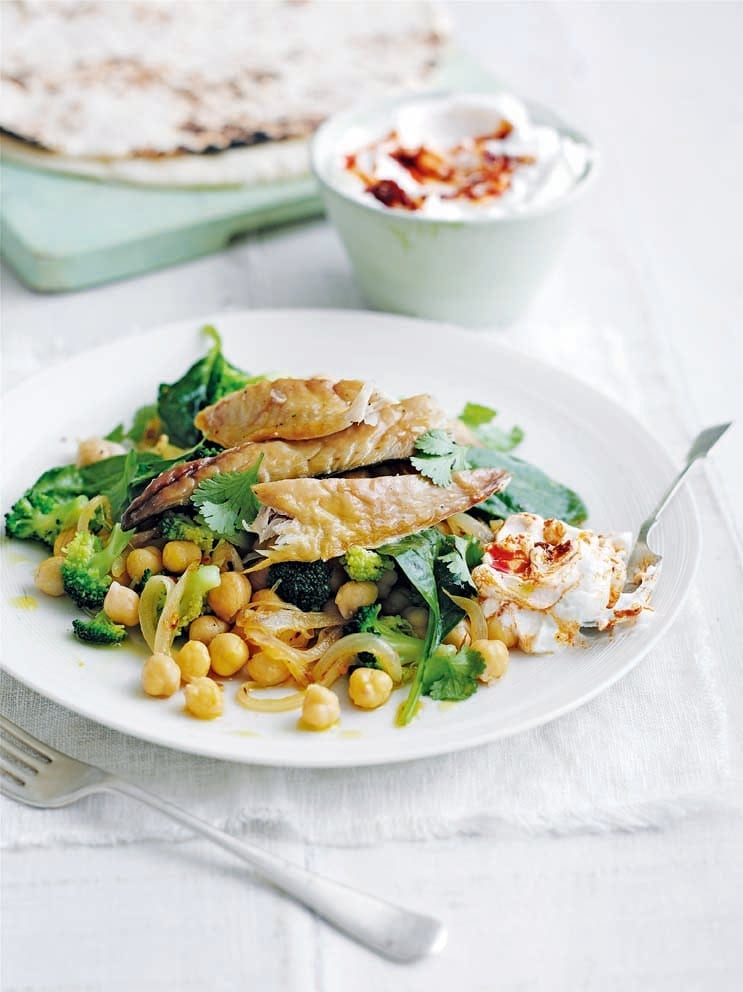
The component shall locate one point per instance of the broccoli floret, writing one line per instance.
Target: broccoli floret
(87, 564)
(180, 527)
(99, 630)
(365, 566)
(41, 516)
(306, 584)
(197, 585)
(394, 630)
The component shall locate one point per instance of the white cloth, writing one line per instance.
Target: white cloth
(654, 746)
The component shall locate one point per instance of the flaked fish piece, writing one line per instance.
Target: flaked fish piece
(292, 409)
(311, 519)
(394, 434)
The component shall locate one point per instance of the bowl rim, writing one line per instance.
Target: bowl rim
(351, 115)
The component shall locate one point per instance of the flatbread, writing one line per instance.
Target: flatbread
(266, 163)
(170, 93)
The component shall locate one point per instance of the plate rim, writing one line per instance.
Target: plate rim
(425, 747)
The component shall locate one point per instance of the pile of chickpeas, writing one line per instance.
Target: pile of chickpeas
(216, 650)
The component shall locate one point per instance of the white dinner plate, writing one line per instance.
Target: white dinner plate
(572, 432)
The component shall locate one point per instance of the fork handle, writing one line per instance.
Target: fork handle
(396, 933)
(700, 447)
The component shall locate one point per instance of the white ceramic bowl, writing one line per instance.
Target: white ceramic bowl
(477, 271)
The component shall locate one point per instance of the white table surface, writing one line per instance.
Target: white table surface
(658, 86)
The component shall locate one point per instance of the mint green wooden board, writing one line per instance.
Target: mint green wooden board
(63, 232)
(60, 232)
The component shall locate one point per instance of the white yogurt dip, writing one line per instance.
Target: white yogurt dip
(544, 579)
(462, 156)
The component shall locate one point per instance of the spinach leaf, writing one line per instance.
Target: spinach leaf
(120, 478)
(529, 490)
(207, 381)
(417, 557)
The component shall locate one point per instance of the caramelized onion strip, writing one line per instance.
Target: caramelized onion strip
(478, 623)
(268, 704)
(297, 660)
(336, 660)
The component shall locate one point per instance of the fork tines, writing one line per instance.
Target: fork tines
(20, 755)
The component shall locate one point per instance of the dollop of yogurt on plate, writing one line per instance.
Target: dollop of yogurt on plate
(544, 580)
(461, 156)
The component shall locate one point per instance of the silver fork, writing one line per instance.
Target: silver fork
(641, 557)
(36, 774)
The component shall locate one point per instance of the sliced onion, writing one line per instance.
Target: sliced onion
(224, 555)
(157, 587)
(463, 523)
(336, 660)
(478, 623)
(88, 512)
(268, 704)
(279, 618)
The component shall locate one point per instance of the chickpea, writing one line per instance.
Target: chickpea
(206, 628)
(352, 595)
(95, 449)
(459, 636)
(397, 601)
(141, 559)
(321, 708)
(265, 670)
(160, 675)
(267, 596)
(385, 583)
(498, 632)
(417, 617)
(48, 577)
(495, 654)
(231, 595)
(122, 605)
(228, 653)
(369, 688)
(193, 660)
(204, 699)
(63, 539)
(178, 555)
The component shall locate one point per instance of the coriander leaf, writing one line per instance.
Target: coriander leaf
(475, 414)
(480, 418)
(416, 556)
(464, 554)
(529, 490)
(435, 442)
(498, 439)
(453, 676)
(226, 500)
(437, 456)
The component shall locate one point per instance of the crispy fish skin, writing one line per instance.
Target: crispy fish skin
(291, 409)
(322, 518)
(394, 434)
